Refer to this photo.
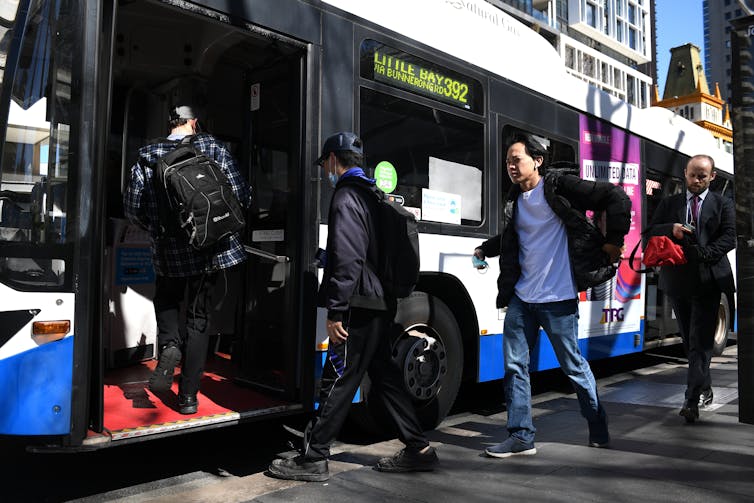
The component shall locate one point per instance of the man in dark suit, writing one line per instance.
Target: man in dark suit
(704, 223)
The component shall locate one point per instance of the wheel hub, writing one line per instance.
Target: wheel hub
(424, 362)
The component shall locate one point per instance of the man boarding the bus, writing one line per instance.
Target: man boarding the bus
(704, 222)
(181, 269)
(544, 228)
(358, 320)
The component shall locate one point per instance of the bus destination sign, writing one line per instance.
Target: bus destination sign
(399, 69)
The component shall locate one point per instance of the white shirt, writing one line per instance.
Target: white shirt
(546, 274)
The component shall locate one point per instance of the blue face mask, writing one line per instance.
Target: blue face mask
(333, 177)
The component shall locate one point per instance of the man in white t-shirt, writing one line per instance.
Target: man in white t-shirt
(543, 229)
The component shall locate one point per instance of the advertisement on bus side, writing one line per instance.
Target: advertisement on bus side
(610, 154)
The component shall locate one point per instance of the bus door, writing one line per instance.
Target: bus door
(247, 87)
(659, 319)
(271, 340)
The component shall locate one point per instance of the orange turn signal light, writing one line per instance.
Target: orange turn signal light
(49, 331)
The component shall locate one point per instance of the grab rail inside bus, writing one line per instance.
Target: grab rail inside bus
(124, 140)
(266, 254)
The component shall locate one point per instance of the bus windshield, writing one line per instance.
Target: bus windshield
(34, 165)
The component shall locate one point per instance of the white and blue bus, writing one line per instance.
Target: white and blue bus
(435, 88)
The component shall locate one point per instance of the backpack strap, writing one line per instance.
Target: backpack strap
(631, 258)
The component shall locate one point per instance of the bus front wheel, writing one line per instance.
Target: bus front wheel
(426, 347)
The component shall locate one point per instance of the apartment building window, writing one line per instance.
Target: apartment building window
(632, 38)
(631, 90)
(727, 2)
(570, 58)
(619, 31)
(727, 15)
(591, 14)
(631, 14)
(605, 72)
(643, 95)
(691, 114)
(588, 65)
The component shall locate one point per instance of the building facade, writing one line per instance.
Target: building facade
(608, 43)
(717, 30)
(688, 95)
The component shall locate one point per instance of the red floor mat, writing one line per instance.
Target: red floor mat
(129, 404)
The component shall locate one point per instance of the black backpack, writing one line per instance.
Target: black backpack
(398, 235)
(194, 197)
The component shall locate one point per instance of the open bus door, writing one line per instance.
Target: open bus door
(250, 88)
(659, 319)
(271, 327)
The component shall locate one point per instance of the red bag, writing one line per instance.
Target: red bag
(660, 251)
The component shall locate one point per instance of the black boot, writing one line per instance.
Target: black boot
(188, 404)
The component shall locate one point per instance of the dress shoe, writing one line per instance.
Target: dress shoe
(300, 468)
(705, 399)
(690, 411)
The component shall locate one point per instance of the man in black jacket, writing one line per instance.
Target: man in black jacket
(694, 288)
(544, 227)
(358, 318)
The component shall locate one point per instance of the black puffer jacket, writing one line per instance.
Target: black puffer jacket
(569, 197)
(350, 278)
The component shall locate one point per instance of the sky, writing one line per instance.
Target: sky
(678, 22)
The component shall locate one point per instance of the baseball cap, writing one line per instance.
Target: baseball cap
(182, 112)
(343, 141)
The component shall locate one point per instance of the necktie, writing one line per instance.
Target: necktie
(695, 209)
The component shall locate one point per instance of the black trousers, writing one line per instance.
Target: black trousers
(697, 319)
(367, 349)
(169, 294)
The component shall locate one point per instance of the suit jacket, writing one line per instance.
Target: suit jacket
(706, 250)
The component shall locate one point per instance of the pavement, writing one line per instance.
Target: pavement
(654, 454)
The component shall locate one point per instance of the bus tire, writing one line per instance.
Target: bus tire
(426, 346)
(722, 328)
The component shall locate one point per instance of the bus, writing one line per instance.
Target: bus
(434, 88)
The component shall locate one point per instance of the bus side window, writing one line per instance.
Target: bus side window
(557, 151)
(437, 157)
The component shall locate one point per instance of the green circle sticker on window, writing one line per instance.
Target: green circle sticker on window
(386, 176)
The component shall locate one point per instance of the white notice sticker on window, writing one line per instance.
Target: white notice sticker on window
(441, 206)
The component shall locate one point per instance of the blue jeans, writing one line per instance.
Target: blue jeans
(560, 321)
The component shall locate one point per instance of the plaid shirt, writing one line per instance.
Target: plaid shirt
(173, 256)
